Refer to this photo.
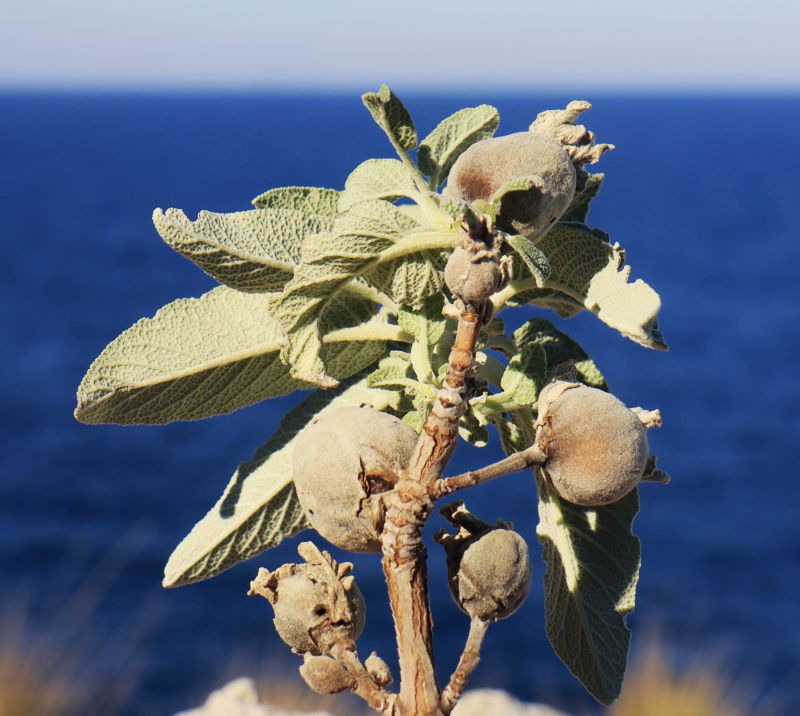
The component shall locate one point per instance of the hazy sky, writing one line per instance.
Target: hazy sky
(407, 43)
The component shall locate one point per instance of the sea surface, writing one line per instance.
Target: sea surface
(701, 191)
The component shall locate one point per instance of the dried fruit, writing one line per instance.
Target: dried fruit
(378, 669)
(343, 461)
(325, 675)
(552, 153)
(596, 447)
(488, 567)
(316, 604)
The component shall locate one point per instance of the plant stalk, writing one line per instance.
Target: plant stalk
(408, 508)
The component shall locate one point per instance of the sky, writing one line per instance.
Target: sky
(424, 44)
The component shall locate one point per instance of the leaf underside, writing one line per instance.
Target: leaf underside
(253, 251)
(593, 562)
(207, 356)
(330, 261)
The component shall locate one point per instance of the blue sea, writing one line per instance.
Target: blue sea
(702, 191)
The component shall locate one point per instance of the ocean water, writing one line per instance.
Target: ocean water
(702, 192)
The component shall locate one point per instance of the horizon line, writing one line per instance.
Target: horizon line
(717, 89)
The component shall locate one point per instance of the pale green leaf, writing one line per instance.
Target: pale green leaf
(427, 326)
(385, 179)
(593, 562)
(392, 116)
(593, 272)
(259, 507)
(308, 199)
(579, 208)
(208, 356)
(394, 370)
(375, 240)
(452, 137)
(525, 374)
(253, 251)
(532, 256)
(472, 431)
(559, 348)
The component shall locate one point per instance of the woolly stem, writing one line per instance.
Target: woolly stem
(408, 508)
(513, 463)
(466, 665)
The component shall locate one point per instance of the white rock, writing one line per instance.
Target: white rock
(481, 702)
(239, 698)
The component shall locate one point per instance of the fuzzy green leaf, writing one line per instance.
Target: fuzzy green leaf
(212, 355)
(308, 199)
(452, 137)
(559, 348)
(427, 325)
(253, 251)
(473, 430)
(373, 179)
(579, 208)
(589, 270)
(525, 374)
(259, 508)
(393, 370)
(375, 240)
(593, 562)
(392, 116)
(532, 256)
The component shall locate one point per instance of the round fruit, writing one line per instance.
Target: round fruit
(489, 164)
(596, 447)
(310, 606)
(325, 675)
(471, 277)
(343, 461)
(493, 575)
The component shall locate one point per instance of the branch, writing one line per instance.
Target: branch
(378, 698)
(407, 509)
(470, 658)
(513, 463)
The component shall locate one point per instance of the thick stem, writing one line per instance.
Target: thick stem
(513, 463)
(466, 665)
(407, 509)
(404, 566)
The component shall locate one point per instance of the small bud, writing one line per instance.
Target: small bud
(343, 461)
(489, 570)
(378, 669)
(325, 675)
(315, 604)
(475, 270)
(596, 447)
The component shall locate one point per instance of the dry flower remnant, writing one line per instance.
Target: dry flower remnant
(381, 300)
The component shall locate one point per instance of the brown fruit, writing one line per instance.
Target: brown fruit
(325, 675)
(488, 568)
(472, 277)
(596, 447)
(343, 460)
(317, 604)
(489, 164)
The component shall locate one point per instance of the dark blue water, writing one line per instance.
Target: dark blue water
(701, 191)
